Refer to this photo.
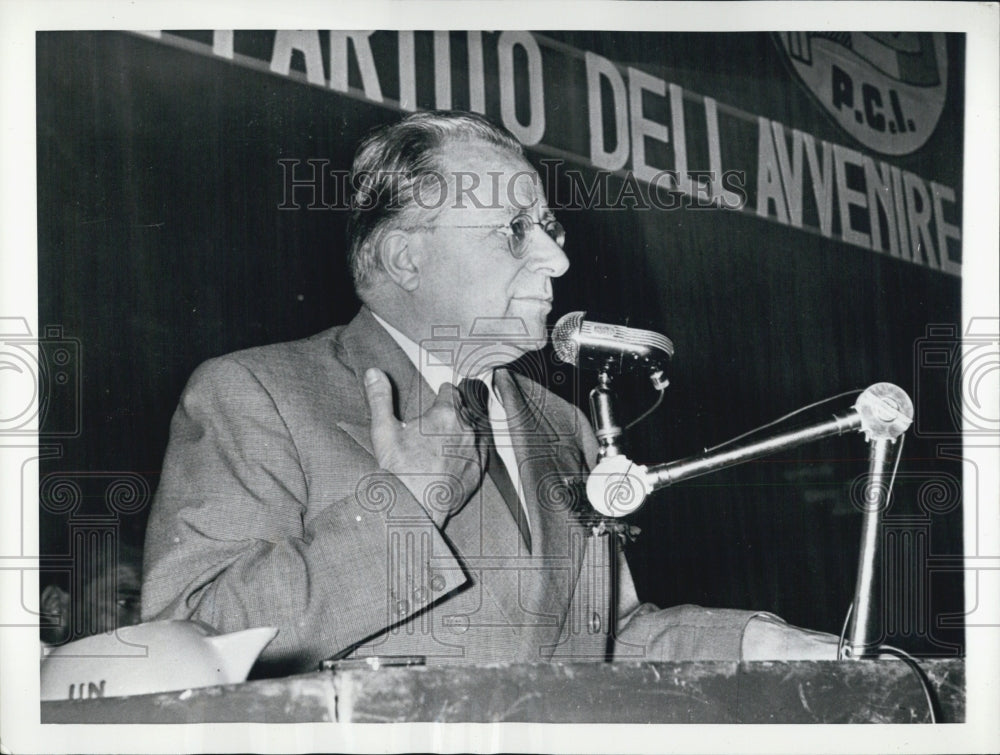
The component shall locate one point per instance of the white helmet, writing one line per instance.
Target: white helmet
(158, 656)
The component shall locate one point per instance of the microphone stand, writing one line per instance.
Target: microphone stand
(602, 414)
(883, 412)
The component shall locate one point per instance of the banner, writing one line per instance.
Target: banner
(669, 145)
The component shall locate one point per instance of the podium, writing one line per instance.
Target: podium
(877, 691)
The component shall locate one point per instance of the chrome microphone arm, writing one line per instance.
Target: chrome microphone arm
(664, 475)
(863, 634)
(883, 412)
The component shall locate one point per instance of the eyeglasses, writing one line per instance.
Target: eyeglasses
(518, 229)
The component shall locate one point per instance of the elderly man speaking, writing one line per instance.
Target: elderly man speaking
(388, 487)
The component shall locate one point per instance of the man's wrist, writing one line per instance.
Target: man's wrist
(439, 496)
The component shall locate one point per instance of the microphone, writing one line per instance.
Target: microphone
(611, 348)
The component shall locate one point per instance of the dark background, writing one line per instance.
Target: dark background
(161, 244)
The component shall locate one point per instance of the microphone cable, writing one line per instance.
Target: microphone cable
(933, 704)
(788, 416)
(655, 405)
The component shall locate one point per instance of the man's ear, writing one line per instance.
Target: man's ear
(55, 613)
(399, 260)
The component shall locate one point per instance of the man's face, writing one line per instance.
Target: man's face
(104, 609)
(468, 276)
(123, 611)
(99, 608)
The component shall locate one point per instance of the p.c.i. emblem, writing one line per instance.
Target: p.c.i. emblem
(886, 89)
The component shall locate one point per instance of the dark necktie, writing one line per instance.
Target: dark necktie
(475, 398)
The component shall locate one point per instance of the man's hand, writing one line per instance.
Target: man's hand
(769, 638)
(415, 452)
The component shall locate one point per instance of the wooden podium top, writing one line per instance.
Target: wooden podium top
(879, 691)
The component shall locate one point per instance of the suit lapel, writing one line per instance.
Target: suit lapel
(363, 344)
(482, 535)
(536, 594)
(547, 463)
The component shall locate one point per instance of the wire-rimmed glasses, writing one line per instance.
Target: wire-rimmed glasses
(518, 230)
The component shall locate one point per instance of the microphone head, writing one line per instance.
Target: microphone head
(565, 337)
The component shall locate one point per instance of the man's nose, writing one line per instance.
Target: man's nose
(545, 255)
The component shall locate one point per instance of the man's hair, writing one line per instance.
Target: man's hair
(397, 177)
(93, 564)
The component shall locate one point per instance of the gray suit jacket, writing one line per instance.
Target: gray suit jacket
(272, 510)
